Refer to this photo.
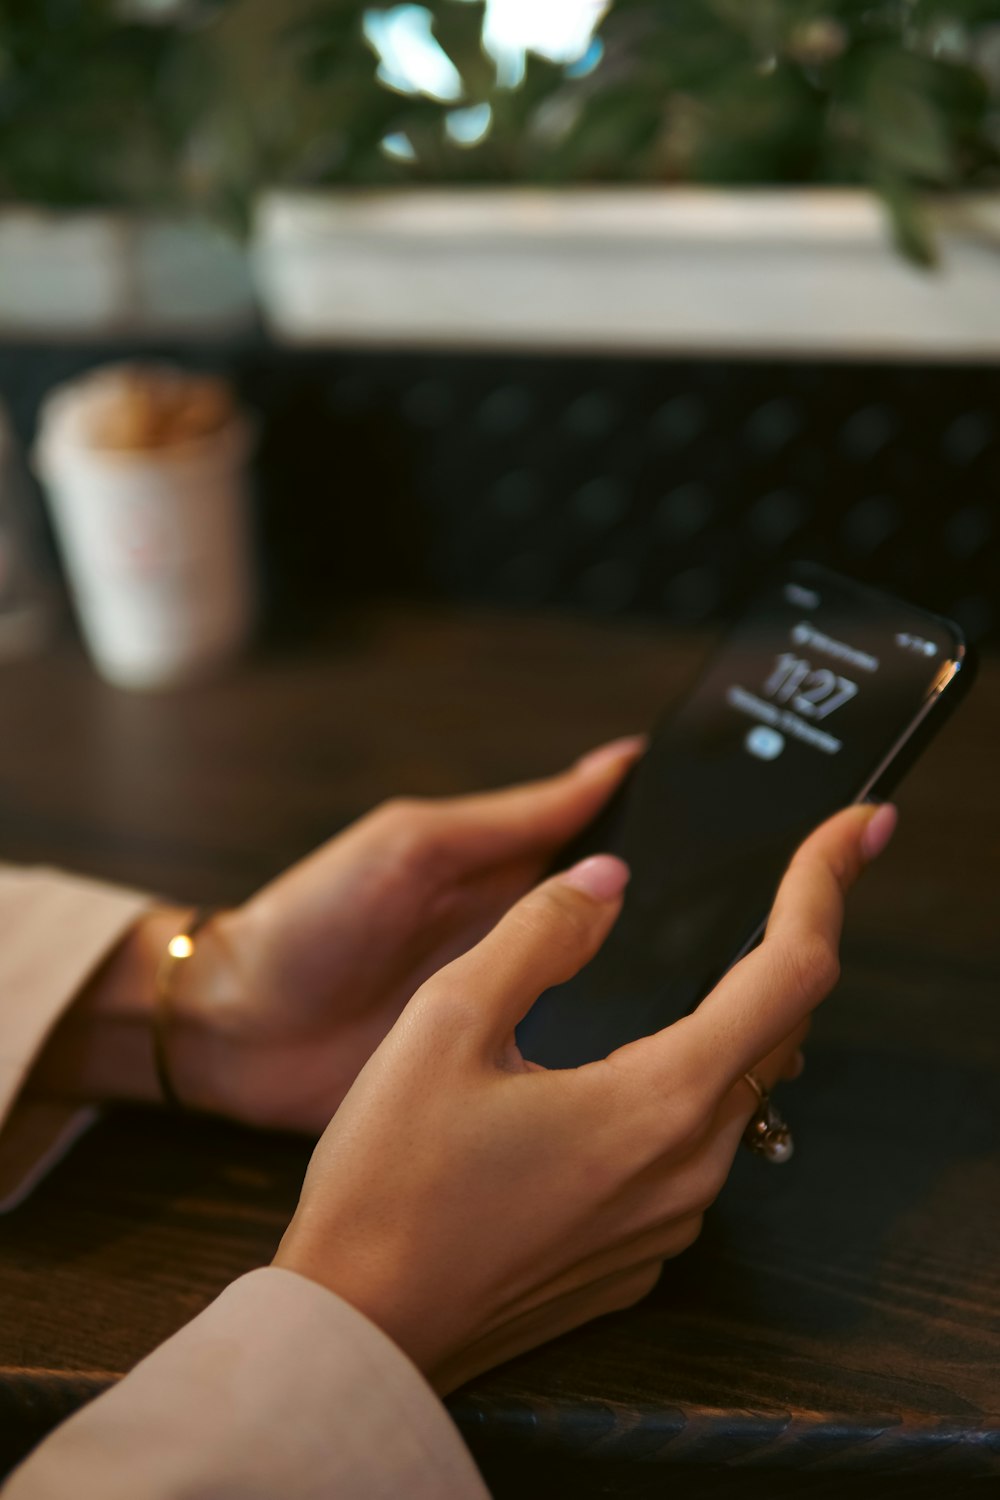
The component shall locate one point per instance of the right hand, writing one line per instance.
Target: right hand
(473, 1205)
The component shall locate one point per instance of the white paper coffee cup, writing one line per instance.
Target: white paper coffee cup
(155, 541)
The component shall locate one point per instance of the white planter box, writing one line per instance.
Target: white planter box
(646, 270)
(96, 273)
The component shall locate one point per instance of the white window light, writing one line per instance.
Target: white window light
(398, 145)
(561, 30)
(467, 127)
(411, 59)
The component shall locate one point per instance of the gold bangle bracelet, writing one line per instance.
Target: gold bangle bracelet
(180, 948)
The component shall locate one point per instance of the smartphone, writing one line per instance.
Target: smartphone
(821, 694)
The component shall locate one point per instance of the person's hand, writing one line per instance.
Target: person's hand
(474, 1205)
(286, 997)
(313, 971)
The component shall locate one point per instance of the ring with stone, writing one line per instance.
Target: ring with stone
(767, 1134)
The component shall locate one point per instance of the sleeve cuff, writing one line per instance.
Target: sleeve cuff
(278, 1388)
(57, 930)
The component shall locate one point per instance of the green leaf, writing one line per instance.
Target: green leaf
(910, 230)
(905, 127)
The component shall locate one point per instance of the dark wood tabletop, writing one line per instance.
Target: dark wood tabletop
(836, 1329)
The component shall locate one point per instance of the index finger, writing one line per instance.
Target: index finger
(771, 991)
(537, 816)
(767, 995)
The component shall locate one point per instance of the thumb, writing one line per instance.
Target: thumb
(543, 940)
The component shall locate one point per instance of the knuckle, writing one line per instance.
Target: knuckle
(412, 835)
(400, 812)
(687, 1194)
(688, 1120)
(639, 1283)
(399, 821)
(623, 1293)
(685, 1233)
(668, 1130)
(662, 1120)
(713, 1180)
(810, 968)
(442, 1004)
(661, 1138)
(566, 926)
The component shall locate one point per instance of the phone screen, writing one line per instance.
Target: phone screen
(798, 713)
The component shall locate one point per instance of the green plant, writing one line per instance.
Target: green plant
(100, 103)
(203, 102)
(902, 95)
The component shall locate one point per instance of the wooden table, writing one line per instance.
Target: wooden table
(837, 1325)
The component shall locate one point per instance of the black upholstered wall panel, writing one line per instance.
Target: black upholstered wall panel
(658, 486)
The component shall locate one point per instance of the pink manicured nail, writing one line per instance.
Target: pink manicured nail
(629, 745)
(879, 830)
(602, 876)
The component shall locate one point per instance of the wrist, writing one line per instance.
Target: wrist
(199, 1018)
(102, 1050)
(378, 1281)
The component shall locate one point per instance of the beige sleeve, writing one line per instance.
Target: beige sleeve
(278, 1391)
(55, 930)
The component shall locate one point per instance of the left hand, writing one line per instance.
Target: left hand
(312, 972)
(286, 997)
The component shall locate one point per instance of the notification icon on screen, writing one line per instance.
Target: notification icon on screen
(765, 743)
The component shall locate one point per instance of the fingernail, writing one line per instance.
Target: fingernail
(601, 876)
(798, 1064)
(879, 830)
(630, 745)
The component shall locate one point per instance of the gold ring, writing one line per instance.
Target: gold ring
(767, 1134)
